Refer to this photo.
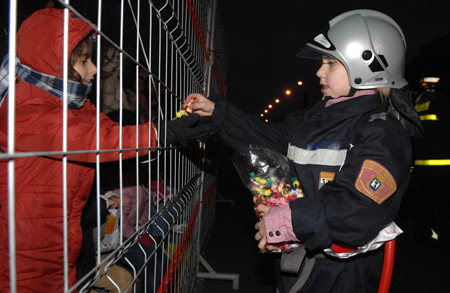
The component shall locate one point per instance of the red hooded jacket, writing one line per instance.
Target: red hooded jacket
(39, 179)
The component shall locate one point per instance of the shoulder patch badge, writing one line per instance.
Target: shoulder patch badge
(375, 181)
(325, 177)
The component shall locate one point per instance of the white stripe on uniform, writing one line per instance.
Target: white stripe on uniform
(327, 157)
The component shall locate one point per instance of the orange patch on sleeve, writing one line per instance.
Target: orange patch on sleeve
(375, 181)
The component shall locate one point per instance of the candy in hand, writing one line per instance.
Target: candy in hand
(187, 108)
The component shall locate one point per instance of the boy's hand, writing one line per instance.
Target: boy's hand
(198, 104)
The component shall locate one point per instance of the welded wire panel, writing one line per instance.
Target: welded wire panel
(124, 207)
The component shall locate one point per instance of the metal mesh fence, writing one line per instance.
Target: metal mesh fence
(126, 213)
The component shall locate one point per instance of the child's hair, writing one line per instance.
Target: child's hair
(84, 49)
(385, 92)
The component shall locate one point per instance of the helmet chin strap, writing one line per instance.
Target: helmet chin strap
(352, 92)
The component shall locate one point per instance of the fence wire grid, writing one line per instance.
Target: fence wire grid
(149, 56)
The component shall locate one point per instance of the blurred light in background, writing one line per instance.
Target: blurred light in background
(278, 111)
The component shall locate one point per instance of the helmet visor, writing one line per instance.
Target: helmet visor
(311, 53)
(314, 54)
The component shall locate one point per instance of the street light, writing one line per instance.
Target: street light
(288, 92)
(270, 106)
(277, 101)
(300, 82)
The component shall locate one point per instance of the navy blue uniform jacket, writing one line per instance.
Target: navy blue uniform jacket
(334, 209)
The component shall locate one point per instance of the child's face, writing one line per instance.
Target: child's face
(333, 78)
(85, 68)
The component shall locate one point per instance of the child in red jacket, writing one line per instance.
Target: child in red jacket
(50, 192)
(45, 184)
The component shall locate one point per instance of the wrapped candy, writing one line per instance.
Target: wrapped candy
(274, 192)
(180, 113)
(186, 110)
(270, 179)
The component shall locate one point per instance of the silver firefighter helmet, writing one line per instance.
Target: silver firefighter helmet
(369, 43)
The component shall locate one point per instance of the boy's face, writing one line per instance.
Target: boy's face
(85, 68)
(333, 78)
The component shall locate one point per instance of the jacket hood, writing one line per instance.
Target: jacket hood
(40, 39)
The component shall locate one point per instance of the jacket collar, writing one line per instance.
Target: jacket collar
(351, 107)
(356, 95)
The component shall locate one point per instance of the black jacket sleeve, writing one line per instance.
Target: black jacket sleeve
(238, 129)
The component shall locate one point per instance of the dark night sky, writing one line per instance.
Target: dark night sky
(264, 38)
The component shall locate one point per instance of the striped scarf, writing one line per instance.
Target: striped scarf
(49, 83)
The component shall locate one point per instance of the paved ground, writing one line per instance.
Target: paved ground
(231, 248)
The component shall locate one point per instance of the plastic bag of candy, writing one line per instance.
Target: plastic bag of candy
(271, 180)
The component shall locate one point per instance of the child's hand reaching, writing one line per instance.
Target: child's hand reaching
(198, 104)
